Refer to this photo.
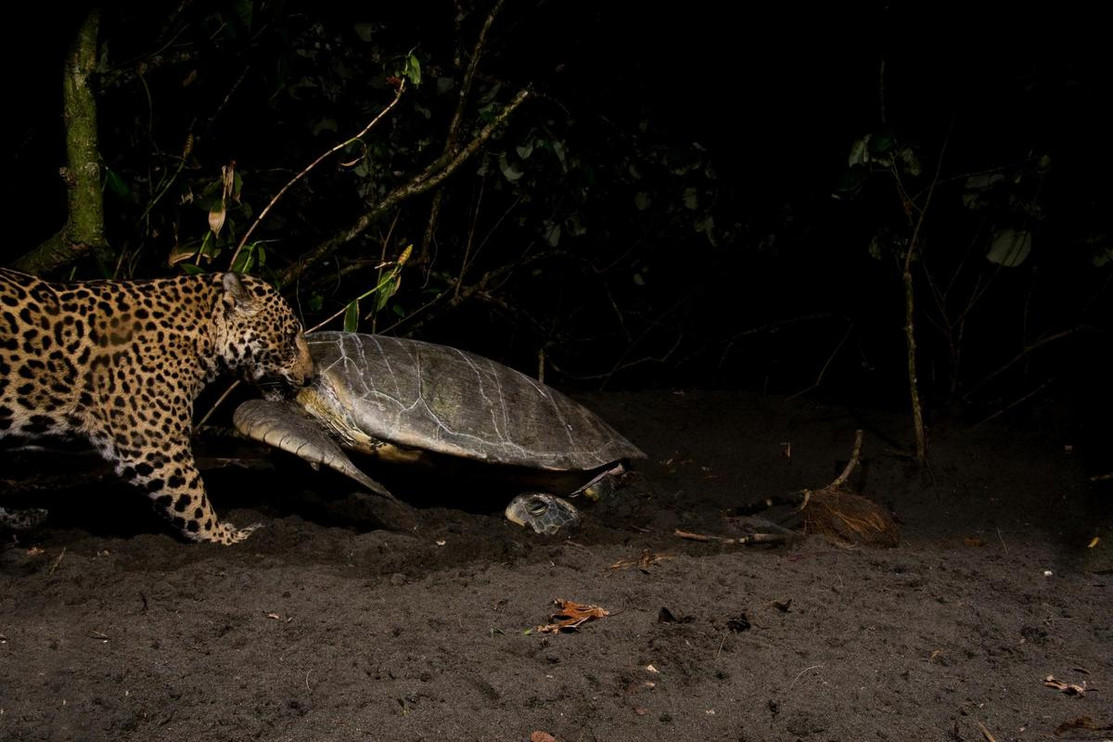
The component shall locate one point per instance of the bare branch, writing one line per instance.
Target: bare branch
(431, 177)
(909, 320)
(262, 214)
(1062, 334)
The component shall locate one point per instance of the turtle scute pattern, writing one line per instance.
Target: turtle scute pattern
(449, 401)
(120, 363)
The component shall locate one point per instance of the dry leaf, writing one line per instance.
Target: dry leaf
(217, 215)
(540, 736)
(571, 615)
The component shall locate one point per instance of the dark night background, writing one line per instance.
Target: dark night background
(694, 159)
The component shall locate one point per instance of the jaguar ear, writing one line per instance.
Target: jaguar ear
(235, 295)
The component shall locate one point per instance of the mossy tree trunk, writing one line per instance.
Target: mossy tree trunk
(84, 228)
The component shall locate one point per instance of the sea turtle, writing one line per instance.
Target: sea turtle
(407, 400)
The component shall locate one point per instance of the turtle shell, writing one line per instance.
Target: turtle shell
(436, 398)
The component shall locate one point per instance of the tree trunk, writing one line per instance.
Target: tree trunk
(84, 228)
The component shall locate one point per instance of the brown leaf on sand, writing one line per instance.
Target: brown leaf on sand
(1071, 689)
(540, 736)
(571, 615)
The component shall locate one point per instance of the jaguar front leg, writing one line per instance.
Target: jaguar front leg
(171, 479)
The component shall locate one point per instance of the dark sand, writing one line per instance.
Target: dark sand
(329, 625)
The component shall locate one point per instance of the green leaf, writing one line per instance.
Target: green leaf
(558, 148)
(707, 227)
(880, 144)
(244, 10)
(509, 170)
(575, 225)
(385, 291)
(875, 249)
(552, 234)
(1010, 247)
(325, 125)
(412, 69)
(851, 179)
(116, 185)
(351, 316)
(910, 161)
(365, 31)
(192, 268)
(641, 200)
(245, 260)
(1102, 257)
(245, 264)
(859, 152)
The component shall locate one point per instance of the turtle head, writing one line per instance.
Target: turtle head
(262, 339)
(541, 511)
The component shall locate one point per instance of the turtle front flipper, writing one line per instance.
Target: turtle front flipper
(282, 425)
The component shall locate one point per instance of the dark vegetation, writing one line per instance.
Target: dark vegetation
(618, 196)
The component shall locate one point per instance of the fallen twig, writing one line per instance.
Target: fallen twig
(1071, 689)
(56, 563)
(643, 562)
(753, 538)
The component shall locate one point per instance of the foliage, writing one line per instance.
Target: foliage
(212, 111)
(978, 257)
(624, 221)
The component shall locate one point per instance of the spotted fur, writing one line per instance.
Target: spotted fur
(120, 363)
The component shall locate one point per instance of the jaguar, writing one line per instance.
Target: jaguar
(120, 364)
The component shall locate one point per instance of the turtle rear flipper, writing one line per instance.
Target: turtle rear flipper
(284, 426)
